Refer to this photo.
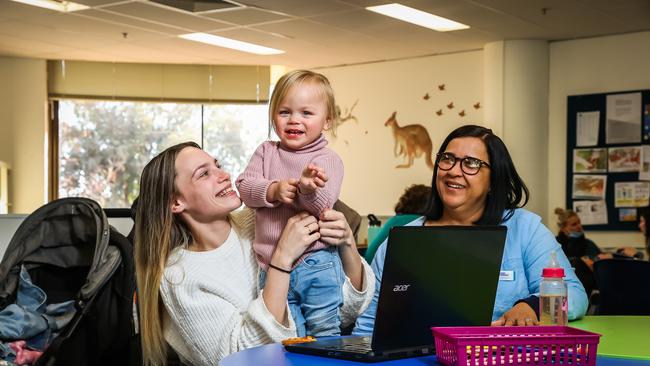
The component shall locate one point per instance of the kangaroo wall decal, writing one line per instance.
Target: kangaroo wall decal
(347, 115)
(411, 141)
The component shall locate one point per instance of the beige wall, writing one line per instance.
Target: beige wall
(596, 65)
(372, 183)
(516, 90)
(23, 111)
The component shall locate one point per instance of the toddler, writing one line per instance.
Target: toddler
(299, 173)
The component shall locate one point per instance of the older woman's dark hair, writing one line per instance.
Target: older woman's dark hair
(507, 190)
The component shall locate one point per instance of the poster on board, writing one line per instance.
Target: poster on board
(589, 186)
(590, 160)
(623, 122)
(591, 212)
(627, 214)
(624, 159)
(587, 128)
(631, 194)
(644, 171)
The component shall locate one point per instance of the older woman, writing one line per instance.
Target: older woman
(475, 183)
(197, 274)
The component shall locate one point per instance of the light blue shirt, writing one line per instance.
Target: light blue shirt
(527, 251)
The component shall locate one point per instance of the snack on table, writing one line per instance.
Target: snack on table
(297, 340)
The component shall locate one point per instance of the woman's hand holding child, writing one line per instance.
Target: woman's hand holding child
(301, 230)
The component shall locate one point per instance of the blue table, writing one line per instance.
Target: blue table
(275, 355)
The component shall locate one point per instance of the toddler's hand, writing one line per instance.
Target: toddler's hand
(313, 177)
(283, 191)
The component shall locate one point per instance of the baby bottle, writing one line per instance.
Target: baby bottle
(553, 306)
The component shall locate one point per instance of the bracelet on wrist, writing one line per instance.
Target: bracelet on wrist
(279, 269)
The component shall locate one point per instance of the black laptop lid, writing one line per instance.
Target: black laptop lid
(436, 276)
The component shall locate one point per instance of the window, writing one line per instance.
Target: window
(232, 132)
(103, 145)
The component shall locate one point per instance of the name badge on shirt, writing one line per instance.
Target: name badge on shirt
(507, 276)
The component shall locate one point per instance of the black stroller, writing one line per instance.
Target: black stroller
(71, 253)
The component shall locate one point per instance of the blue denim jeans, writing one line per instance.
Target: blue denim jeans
(315, 293)
(31, 318)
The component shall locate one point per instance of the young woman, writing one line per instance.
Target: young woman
(475, 183)
(197, 273)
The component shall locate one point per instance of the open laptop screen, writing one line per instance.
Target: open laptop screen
(436, 276)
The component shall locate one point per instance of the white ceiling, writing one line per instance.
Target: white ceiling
(314, 33)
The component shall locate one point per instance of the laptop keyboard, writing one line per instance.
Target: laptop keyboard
(362, 346)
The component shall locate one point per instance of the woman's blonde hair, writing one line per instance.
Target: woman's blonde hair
(563, 216)
(298, 77)
(157, 232)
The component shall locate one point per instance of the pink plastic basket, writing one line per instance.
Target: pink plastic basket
(493, 346)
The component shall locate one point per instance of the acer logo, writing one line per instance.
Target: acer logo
(400, 288)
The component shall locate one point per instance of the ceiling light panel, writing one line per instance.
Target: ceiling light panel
(62, 6)
(417, 17)
(230, 43)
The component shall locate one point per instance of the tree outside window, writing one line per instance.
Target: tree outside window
(103, 145)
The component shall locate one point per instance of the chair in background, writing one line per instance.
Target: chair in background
(624, 286)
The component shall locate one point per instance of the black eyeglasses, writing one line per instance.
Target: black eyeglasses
(468, 164)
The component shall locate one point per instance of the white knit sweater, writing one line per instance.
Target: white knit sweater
(214, 306)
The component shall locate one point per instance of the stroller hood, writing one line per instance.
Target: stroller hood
(68, 232)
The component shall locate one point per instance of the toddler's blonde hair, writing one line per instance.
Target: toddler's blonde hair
(296, 78)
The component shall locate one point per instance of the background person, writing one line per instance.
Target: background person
(475, 183)
(197, 274)
(581, 251)
(572, 238)
(644, 216)
(411, 204)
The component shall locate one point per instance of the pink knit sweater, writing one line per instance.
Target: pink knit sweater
(271, 163)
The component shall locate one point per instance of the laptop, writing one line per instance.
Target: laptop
(433, 276)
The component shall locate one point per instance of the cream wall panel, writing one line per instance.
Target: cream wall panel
(23, 113)
(516, 93)
(595, 65)
(372, 183)
(493, 65)
(6, 109)
(525, 114)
